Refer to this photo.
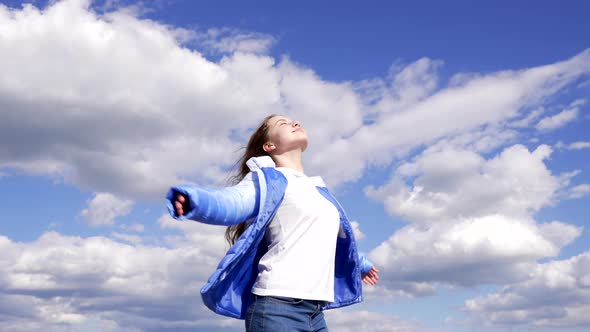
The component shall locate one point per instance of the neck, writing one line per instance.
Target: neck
(290, 159)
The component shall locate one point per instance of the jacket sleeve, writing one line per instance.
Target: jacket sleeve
(228, 206)
(365, 264)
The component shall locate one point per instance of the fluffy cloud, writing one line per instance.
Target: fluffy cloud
(114, 103)
(470, 218)
(117, 104)
(446, 184)
(493, 249)
(104, 208)
(208, 239)
(473, 102)
(556, 295)
(63, 282)
(83, 283)
(351, 321)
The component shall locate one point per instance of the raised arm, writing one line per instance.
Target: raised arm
(228, 206)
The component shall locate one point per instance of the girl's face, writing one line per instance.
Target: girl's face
(284, 135)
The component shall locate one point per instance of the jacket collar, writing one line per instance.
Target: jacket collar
(256, 163)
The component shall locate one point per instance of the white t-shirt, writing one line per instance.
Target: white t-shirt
(301, 242)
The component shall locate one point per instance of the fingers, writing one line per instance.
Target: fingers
(179, 204)
(375, 278)
(375, 273)
(179, 209)
(372, 277)
(369, 279)
(181, 198)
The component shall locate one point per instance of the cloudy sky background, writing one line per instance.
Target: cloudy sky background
(456, 138)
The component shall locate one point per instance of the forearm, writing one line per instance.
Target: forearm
(228, 206)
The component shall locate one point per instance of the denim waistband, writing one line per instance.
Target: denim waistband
(293, 300)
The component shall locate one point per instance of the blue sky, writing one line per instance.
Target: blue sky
(455, 135)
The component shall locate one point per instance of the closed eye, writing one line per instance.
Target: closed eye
(281, 122)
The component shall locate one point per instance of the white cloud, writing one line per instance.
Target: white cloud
(558, 120)
(358, 234)
(556, 295)
(130, 238)
(114, 103)
(414, 82)
(578, 102)
(454, 183)
(118, 104)
(58, 282)
(579, 145)
(477, 102)
(343, 320)
(528, 119)
(579, 191)
(492, 249)
(227, 40)
(470, 218)
(480, 140)
(209, 239)
(133, 227)
(103, 208)
(404, 86)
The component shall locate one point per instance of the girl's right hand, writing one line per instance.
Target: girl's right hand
(180, 204)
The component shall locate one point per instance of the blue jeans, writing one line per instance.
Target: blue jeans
(284, 314)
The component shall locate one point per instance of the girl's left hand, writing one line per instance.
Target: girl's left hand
(371, 277)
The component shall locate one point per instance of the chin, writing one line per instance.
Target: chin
(304, 145)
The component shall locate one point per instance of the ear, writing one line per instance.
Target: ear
(268, 147)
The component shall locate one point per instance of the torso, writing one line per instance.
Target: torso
(301, 242)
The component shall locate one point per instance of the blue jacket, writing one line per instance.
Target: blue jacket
(255, 200)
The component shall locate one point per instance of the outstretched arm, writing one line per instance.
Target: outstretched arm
(228, 206)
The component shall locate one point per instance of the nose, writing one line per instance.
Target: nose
(296, 124)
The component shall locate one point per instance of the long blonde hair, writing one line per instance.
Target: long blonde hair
(253, 149)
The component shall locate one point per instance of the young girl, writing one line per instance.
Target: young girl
(293, 251)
